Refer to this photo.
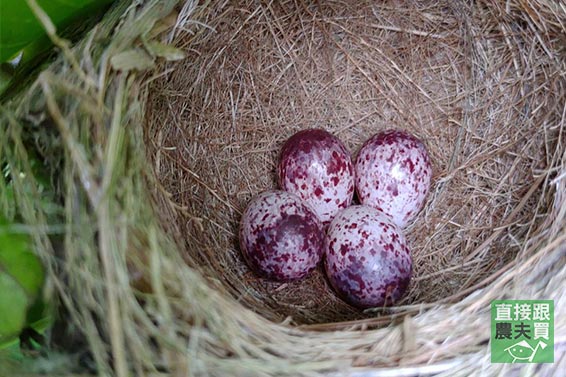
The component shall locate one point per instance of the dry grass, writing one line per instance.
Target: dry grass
(154, 170)
(443, 72)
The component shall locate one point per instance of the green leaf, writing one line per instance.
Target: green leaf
(22, 265)
(19, 26)
(13, 307)
(40, 315)
(19, 262)
(21, 281)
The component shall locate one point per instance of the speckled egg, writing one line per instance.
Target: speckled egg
(316, 166)
(393, 173)
(281, 236)
(367, 259)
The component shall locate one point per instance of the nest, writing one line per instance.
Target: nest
(154, 169)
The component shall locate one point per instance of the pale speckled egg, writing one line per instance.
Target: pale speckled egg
(316, 166)
(393, 174)
(281, 236)
(367, 259)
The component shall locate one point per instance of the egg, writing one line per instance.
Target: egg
(281, 236)
(367, 258)
(316, 166)
(393, 174)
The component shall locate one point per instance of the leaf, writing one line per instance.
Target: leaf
(40, 315)
(131, 59)
(13, 307)
(5, 78)
(21, 280)
(165, 51)
(19, 262)
(19, 27)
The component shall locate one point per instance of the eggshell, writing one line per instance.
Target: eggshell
(367, 259)
(393, 174)
(316, 166)
(281, 236)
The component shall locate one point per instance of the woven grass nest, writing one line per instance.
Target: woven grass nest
(155, 158)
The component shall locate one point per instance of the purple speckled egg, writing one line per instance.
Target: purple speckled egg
(281, 236)
(316, 166)
(367, 259)
(393, 173)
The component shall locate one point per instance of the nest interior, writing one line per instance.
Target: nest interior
(150, 162)
(466, 78)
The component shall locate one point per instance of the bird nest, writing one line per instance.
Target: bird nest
(155, 170)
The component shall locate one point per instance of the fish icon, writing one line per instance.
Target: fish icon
(524, 351)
